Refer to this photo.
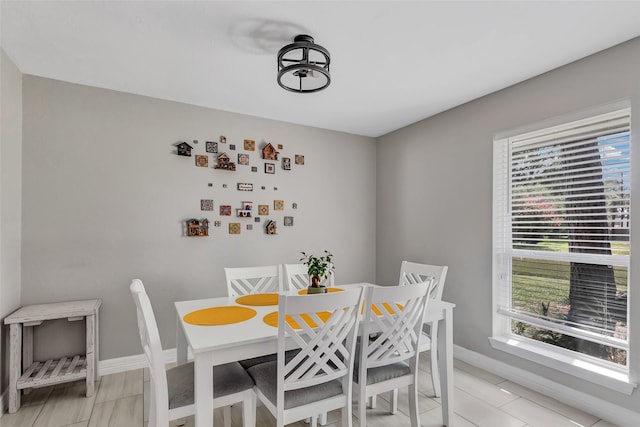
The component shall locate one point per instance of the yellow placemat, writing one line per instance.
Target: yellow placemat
(331, 289)
(219, 316)
(386, 305)
(271, 319)
(258, 299)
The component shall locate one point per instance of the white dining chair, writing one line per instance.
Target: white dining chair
(388, 356)
(253, 280)
(296, 277)
(410, 273)
(318, 378)
(172, 390)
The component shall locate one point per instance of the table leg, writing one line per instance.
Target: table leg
(90, 356)
(15, 366)
(181, 344)
(203, 371)
(445, 365)
(27, 350)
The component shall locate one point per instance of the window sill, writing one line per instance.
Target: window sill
(541, 354)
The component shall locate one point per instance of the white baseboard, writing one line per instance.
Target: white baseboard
(129, 363)
(583, 401)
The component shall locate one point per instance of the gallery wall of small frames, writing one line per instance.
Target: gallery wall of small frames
(223, 158)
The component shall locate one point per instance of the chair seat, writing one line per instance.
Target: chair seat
(228, 379)
(382, 373)
(248, 363)
(265, 376)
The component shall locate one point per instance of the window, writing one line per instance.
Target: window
(561, 239)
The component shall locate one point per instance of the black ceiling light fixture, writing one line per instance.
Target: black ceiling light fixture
(303, 66)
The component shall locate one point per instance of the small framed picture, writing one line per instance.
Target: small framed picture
(288, 221)
(269, 168)
(254, 169)
(233, 147)
(223, 139)
(286, 163)
(212, 147)
(299, 159)
(278, 205)
(206, 204)
(225, 210)
(249, 145)
(243, 159)
(249, 226)
(202, 160)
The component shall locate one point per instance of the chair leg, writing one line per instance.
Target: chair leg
(413, 405)
(362, 407)
(249, 409)
(393, 401)
(152, 405)
(322, 419)
(314, 421)
(226, 414)
(347, 419)
(435, 374)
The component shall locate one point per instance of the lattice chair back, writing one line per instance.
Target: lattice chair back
(412, 272)
(253, 280)
(395, 314)
(152, 348)
(296, 277)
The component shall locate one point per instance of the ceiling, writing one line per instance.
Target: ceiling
(392, 62)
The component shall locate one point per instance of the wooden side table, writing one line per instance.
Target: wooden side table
(25, 374)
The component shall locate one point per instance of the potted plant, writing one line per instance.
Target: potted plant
(318, 267)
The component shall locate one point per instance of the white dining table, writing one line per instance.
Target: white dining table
(216, 345)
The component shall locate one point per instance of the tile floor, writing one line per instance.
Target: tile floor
(481, 399)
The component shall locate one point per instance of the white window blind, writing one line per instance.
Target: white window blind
(561, 235)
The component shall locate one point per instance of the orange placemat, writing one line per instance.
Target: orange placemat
(258, 299)
(271, 319)
(304, 291)
(219, 315)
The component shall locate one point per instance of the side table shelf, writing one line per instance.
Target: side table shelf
(41, 374)
(25, 373)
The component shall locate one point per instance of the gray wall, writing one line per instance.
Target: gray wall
(10, 198)
(434, 182)
(104, 196)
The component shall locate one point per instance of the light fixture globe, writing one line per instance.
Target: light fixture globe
(303, 66)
